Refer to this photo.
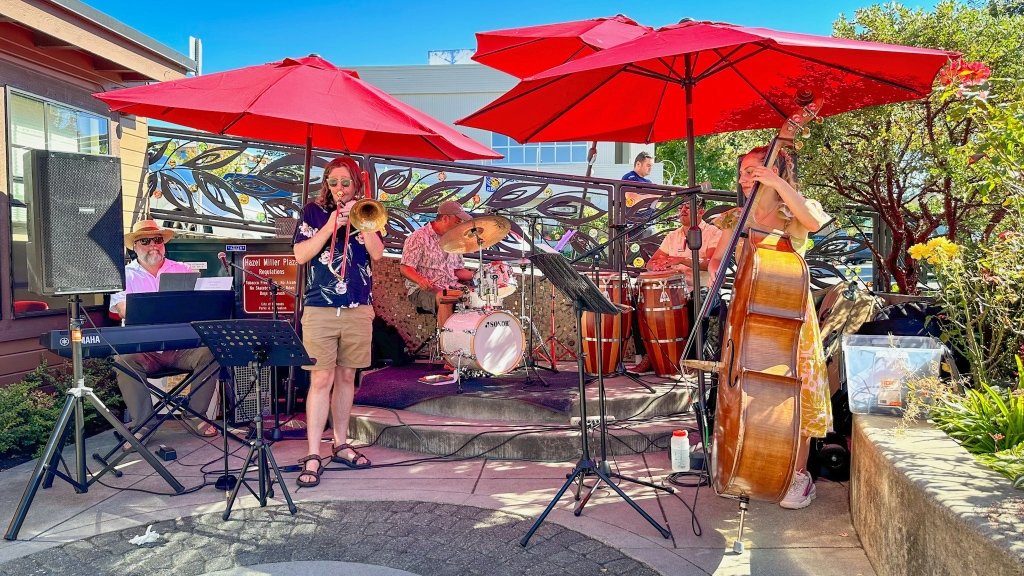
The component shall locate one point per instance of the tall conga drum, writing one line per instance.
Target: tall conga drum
(664, 320)
(615, 328)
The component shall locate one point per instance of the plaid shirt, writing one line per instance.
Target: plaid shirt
(423, 252)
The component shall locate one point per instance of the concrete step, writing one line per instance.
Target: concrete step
(523, 440)
(624, 398)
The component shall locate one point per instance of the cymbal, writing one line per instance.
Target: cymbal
(478, 233)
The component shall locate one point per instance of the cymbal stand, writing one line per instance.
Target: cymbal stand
(552, 349)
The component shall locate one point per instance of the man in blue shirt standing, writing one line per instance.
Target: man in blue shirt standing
(641, 168)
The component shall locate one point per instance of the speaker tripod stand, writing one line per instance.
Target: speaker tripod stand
(74, 407)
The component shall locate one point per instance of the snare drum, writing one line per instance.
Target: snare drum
(489, 341)
(664, 319)
(495, 282)
(615, 328)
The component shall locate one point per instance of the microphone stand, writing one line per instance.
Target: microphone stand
(275, 288)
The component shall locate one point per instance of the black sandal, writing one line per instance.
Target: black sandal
(307, 472)
(354, 461)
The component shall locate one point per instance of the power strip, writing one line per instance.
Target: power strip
(592, 421)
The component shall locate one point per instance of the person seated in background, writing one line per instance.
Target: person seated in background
(427, 268)
(148, 240)
(674, 254)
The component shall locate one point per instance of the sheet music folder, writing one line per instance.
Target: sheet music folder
(575, 286)
(180, 307)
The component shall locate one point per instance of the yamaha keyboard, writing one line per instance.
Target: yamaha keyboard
(102, 342)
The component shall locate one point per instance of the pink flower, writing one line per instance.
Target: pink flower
(997, 436)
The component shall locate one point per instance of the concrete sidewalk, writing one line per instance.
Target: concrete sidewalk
(404, 514)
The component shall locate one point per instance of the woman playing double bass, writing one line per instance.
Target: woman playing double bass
(779, 206)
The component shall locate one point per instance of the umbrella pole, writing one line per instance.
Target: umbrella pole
(300, 275)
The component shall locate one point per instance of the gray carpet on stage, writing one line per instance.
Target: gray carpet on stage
(399, 387)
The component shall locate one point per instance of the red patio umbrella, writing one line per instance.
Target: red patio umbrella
(697, 78)
(523, 52)
(300, 102)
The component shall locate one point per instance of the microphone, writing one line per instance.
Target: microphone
(702, 188)
(224, 261)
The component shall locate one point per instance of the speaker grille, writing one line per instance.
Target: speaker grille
(246, 405)
(76, 234)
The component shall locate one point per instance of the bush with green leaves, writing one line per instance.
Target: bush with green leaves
(29, 409)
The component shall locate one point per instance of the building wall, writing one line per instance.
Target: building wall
(65, 52)
(451, 92)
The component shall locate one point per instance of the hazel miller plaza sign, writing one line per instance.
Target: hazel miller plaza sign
(256, 296)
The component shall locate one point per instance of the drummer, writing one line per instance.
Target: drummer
(674, 254)
(429, 270)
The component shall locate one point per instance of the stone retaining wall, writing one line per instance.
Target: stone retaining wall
(921, 504)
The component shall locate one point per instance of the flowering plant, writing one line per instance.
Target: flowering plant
(981, 290)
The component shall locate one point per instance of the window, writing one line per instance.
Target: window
(532, 154)
(36, 123)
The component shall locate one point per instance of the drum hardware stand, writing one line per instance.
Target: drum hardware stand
(620, 370)
(74, 407)
(585, 295)
(256, 343)
(275, 288)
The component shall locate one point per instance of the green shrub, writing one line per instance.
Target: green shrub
(29, 409)
(989, 423)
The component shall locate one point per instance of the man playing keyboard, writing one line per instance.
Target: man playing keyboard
(147, 240)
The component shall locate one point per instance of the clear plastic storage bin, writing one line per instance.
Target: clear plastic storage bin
(879, 369)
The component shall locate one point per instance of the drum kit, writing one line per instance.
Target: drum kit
(482, 337)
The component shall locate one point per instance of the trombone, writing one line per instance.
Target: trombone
(366, 215)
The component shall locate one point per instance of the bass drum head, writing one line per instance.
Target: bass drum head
(492, 342)
(498, 343)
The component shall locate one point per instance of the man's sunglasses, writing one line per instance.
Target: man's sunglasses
(148, 241)
(346, 182)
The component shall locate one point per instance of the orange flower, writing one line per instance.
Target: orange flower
(964, 73)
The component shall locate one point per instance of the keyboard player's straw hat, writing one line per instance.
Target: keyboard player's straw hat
(146, 228)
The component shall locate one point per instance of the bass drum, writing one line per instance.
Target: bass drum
(480, 340)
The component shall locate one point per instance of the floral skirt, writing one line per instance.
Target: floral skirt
(815, 395)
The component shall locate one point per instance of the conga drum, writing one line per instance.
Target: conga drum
(615, 328)
(664, 319)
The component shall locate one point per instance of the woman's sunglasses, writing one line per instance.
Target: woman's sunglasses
(346, 182)
(148, 241)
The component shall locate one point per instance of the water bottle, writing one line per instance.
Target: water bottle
(679, 449)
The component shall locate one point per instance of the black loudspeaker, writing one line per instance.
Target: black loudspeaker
(75, 228)
(243, 405)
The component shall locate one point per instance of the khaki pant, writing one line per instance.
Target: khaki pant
(137, 396)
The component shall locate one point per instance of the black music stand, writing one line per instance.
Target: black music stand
(585, 296)
(257, 343)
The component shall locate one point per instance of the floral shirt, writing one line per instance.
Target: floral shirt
(322, 286)
(423, 252)
(798, 234)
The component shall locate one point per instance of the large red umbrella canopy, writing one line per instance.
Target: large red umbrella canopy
(738, 78)
(299, 102)
(526, 51)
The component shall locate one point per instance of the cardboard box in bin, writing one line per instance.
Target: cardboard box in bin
(879, 369)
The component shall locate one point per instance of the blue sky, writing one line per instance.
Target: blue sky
(386, 32)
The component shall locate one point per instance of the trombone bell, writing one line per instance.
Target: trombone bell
(368, 215)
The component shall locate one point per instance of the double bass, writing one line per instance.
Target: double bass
(756, 434)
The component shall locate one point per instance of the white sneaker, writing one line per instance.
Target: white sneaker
(800, 493)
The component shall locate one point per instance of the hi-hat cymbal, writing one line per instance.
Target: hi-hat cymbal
(476, 234)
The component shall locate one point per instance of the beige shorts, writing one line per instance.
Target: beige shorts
(337, 336)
